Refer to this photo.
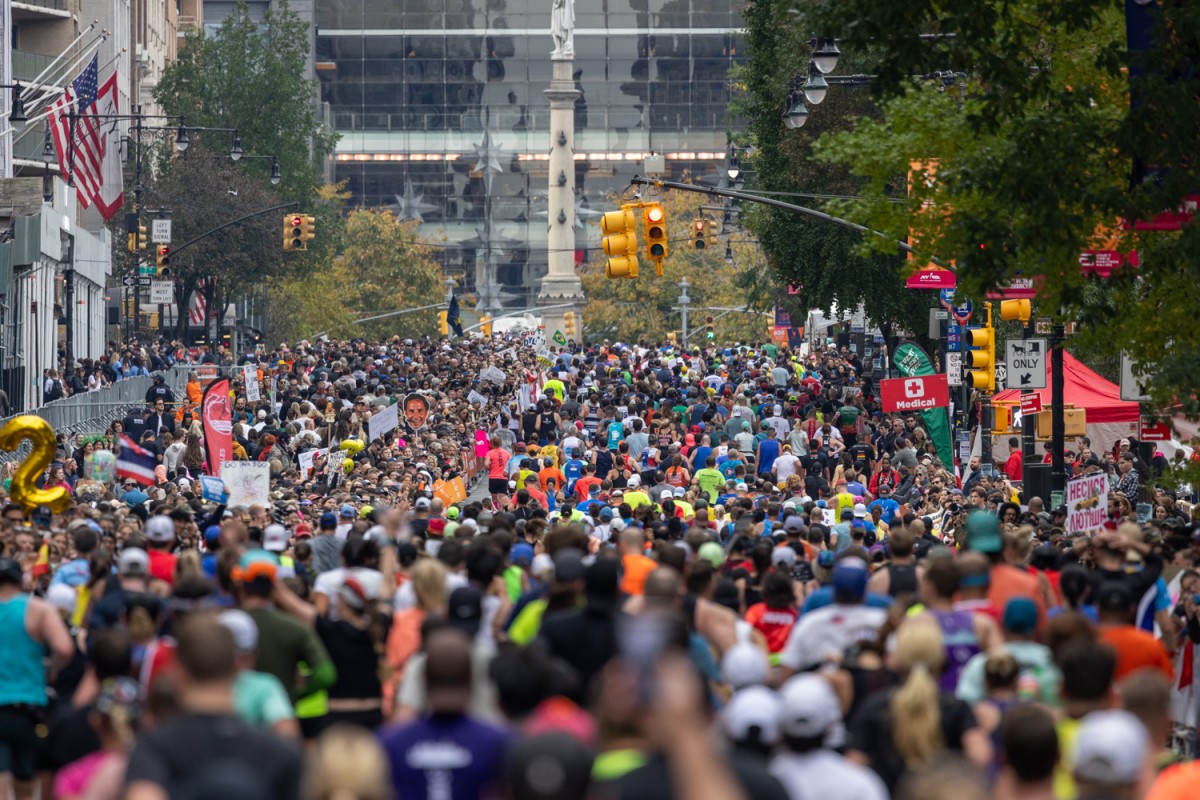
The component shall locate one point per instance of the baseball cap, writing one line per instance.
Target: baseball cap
(422, 502)
(1110, 748)
(712, 553)
(133, 563)
(1020, 616)
(452, 512)
(983, 533)
(522, 554)
(860, 511)
(328, 520)
(347, 511)
(666, 494)
(744, 665)
(275, 538)
(465, 610)
(847, 513)
(303, 531)
(353, 593)
(62, 597)
(850, 577)
(243, 628)
(794, 522)
(634, 481)
(160, 529)
(809, 707)
(752, 707)
(606, 514)
(783, 557)
(679, 492)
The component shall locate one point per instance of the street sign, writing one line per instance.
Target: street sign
(1131, 388)
(1001, 374)
(162, 292)
(962, 312)
(160, 231)
(954, 337)
(139, 280)
(914, 394)
(954, 368)
(147, 270)
(946, 298)
(1026, 359)
(1158, 432)
(1031, 404)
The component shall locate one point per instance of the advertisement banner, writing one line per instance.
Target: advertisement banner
(1087, 503)
(911, 361)
(217, 418)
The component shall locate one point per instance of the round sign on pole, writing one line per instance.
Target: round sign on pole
(962, 312)
(946, 298)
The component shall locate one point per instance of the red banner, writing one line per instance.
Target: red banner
(914, 394)
(217, 418)
(931, 278)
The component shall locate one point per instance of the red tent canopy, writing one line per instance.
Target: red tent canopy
(1082, 388)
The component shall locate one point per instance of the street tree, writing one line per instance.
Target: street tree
(1039, 158)
(825, 261)
(646, 309)
(249, 75)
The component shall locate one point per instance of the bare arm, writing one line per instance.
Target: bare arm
(288, 601)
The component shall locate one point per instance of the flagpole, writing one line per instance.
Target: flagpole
(34, 120)
(50, 66)
(51, 89)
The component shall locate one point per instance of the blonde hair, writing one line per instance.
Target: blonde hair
(916, 715)
(429, 583)
(348, 764)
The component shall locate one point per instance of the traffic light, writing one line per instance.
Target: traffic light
(162, 261)
(569, 328)
(138, 241)
(485, 325)
(620, 243)
(1015, 309)
(298, 231)
(708, 327)
(444, 323)
(655, 219)
(699, 229)
(981, 355)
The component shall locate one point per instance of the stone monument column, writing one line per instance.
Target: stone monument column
(561, 285)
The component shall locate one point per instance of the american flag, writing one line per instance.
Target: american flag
(198, 309)
(93, 160)
(135, 463)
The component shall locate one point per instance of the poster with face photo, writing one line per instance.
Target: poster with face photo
(416, 412)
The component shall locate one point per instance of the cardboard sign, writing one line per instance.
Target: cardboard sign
(248, 482)
(1087, 503)
(914, 394)
(384, 421)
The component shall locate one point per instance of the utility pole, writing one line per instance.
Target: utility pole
(1028, 421)
(684, 301)
(1058, 481)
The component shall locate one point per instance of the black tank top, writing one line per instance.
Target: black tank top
(902, 579)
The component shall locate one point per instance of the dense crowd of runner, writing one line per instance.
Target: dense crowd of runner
(716, 574)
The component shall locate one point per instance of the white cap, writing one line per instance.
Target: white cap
(744, 665)
(1111, 748)
(275, 538)
(860, 510)
(810, 708)
(755, 706)
(61, 597)
(542, 563)
(666, 494)
(160, 529)
(634, 481)
(133, 563)
(243, 628)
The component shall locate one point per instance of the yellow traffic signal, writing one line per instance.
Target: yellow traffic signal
(162, 261)
(981, 355)
(485, 325)
(654, 217)
(620, 243)
(699, 229)
(1015, 309)
(444, 323)
(298, 231)
(140, 240)
(569, 323)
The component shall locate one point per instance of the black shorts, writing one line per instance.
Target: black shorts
(18, 741)
(497, 486)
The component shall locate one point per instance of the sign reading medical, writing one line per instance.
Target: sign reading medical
(1087, 503)
(914, 394)
(1026, 361)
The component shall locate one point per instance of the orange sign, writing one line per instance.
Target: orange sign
(450, 492)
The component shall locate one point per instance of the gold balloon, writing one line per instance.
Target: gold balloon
(23, 489)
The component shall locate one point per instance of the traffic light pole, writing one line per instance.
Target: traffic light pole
(1058, 480)
(232, 222)
(1028, 421)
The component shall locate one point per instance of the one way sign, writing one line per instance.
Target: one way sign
(1026, 359)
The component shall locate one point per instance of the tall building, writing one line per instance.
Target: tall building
(443, 116)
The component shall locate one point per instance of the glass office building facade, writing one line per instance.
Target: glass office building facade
(441, 110)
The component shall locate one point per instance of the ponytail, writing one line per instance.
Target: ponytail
(916, 718)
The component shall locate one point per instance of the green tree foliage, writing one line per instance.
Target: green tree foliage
(823, 258)
(373, 264)
(646, 309)
(1037, 158)
(250, 76)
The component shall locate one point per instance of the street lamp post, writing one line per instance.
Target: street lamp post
(684, 302)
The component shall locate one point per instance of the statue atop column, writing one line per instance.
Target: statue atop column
(562, 28)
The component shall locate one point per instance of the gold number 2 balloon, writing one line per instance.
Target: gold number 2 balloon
(23, 489)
